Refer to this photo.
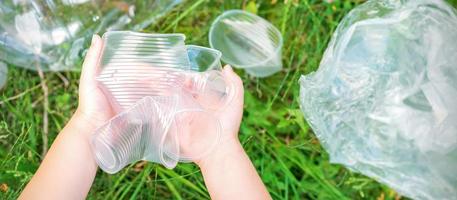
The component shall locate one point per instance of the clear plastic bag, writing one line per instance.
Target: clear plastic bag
(383, 101)
(53, 35)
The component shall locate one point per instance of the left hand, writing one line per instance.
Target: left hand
(94, 108)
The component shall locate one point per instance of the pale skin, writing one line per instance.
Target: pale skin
(69, 168)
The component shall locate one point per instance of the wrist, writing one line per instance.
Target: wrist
(228, 148)
(89, 119)
(80, 121)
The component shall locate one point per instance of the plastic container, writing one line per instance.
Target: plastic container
(247, 41)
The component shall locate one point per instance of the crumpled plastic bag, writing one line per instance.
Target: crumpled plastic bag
(54, 34)
(384, 100)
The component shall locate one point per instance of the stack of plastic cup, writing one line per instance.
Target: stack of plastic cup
(164, 94)
(137, 134)
(135, 65)
(247, 41)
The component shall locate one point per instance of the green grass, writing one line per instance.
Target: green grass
(283, 148)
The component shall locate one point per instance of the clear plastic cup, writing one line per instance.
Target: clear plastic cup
(203, 59)
(209, 88)
(141, 132)
(158, 129)
(247, 41)
(197, 129)
(165, 95)
(136, 65)
(205, 80)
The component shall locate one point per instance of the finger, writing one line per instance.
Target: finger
(90, 66)
(237, 84)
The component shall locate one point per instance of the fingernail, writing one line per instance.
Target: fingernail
(228, 67)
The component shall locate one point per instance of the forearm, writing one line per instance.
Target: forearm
(229, 174)
(68, 169)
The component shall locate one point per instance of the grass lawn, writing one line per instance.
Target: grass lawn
(283, 148)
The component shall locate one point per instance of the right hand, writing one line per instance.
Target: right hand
(199, 133)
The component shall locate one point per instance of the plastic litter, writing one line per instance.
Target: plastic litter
(140, 133)
(198, 129)
(53, 35)
(209, 88)
(383, 101)
(165, 94)
(135, 65)
(160, 129)
(3, 74)
(247, 41)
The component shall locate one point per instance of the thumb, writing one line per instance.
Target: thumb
(237, 89)
(90, 66)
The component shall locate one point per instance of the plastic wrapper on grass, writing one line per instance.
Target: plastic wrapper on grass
(384, 100)
(53, 35)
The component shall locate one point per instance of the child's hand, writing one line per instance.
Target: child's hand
(227, 170)
(230, 117)
(232, 113)
(197, 130)
(94, 108)
(69, 168)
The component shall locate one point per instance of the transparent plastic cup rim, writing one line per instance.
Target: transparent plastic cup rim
(132, 33)
(277, 51)
(230, 90)
(214, 51)
(112, 161)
